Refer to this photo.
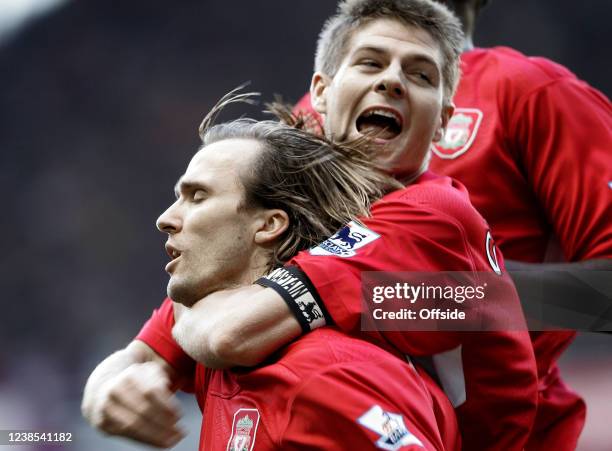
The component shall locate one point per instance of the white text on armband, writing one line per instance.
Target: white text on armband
(300, 295)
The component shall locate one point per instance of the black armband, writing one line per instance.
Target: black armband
(299, 294)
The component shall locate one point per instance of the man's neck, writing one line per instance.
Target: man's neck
(259, 266)
(407, 179)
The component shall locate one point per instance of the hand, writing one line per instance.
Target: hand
(137, 403)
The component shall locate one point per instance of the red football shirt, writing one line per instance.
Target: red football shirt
(431, 226)
(543, 139)
(531, 143)
(325, 391)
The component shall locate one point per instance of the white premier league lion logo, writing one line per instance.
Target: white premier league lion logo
(390, 426)
(346, 241)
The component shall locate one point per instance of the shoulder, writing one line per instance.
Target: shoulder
(431, 198)
(513, 67)
(345, 403)
(323, 349)
(444, 225)
(529, 93)
(512, 78)
(329, 358)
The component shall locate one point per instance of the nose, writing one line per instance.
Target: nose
(169, 221)
(391, 82)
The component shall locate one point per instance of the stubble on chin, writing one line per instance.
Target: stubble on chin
(181, 294)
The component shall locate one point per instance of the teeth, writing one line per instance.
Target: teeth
(385, 113)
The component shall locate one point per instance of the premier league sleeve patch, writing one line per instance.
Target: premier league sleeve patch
(390, 426)
(346, 241)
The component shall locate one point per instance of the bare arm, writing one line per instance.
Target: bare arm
(238, 327)
(129, 395)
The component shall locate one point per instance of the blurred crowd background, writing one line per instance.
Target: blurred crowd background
(99, 107)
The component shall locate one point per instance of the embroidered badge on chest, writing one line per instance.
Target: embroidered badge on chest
(346, 241)
(390, 426)
(244, 430)
(460, 133)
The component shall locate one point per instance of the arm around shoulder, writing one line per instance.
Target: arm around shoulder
(239, 327)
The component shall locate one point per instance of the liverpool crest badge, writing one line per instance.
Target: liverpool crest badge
(244, 430)
(460, 133)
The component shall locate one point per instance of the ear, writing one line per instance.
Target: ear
(445, 115)
(318, 92)
(272, 225)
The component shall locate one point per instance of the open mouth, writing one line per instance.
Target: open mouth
(379, 123)
(172, 252)
(174, 256)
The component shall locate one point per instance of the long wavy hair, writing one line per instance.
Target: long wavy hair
(321, 185)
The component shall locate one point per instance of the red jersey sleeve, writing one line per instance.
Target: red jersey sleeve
(157, 334)
(433, 228)
(563, 132)
(407, 231)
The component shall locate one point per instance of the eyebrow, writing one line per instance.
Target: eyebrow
(370, 48)
(187, 185)
(418, 58)
(422, 58)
